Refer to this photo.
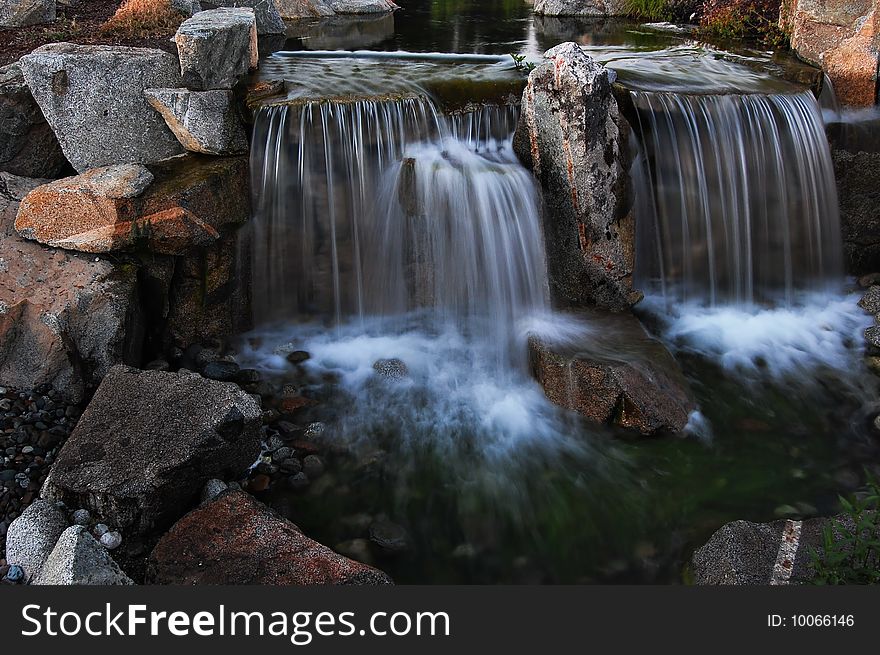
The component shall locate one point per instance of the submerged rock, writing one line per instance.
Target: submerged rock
(28, 146)
(92, 96)
(205, 121)
(149, 441)
(78, 559)
(235, 539)
(216, 48)
(621, 376)
(574, 138)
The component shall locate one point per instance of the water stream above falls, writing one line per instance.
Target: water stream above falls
(395, 227)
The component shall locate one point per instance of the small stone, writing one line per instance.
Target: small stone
(870, 302)
(259, 483)
(872, 336)
(282, 454)
(100, 530)
(298, 482)
(221, 371)
(298, 357)
(390, 369)
(111, 540)
(212, 489)
(82, 517)
(389, 536)
(313, 466)
(274, 442)
(873, 364)
(15, 573)
(291, 465)
(314, 431)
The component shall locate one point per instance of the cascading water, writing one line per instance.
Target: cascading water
(737, 199)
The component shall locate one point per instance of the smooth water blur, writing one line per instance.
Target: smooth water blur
(737, 200)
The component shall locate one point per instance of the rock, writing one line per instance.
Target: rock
(293, 9)
(580, 7)
(873, 364)
(870, 302)
(216, 48)
(842, 38)
(298, 357)
(147, 444)
(298, 481)
(268, 19)
(28, 146)
(15, 574)
(390, 537)
(745, 553)
(64, 319)
(101, 529)
(644, 390)
(203, 121)
(872, 336)
(361, 6)
(78, 559)
(313, 466)
(222, 371)
(186, 7)
(235, 539)
(122, 208)
(857, 174)
(93, 97)
(111, 540)
(82, 517)
(212, 489)
(32, 536)
(356, 549)
(391, 369)
(21, 13)
(573, 137)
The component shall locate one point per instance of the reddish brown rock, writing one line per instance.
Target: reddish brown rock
(235, 539)
(167, 208)
(618, 375)
(842, 38)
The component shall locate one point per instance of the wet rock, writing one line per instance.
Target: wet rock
(100, 530)
(64, 319)
(580, 7)
(111, 540)
(21, 13)
(81, 517)
(212, 489)
(268, 19)
(169, 208)
(78, 559)
(391, 369)
(14, 574)
(841, 37)
(92, 96)
(32, 536)
(203, 121)
(147, 444)
(28, 146)
(216, 48)
(643, 390)
(870, 302)
(298, 482)
(298, 357)
(872, 336)
(390, 537)
(237, 540)
(313, 466)
(361, 6)
(573, 137)
(856, 174)
(293, 9)
(221, 371)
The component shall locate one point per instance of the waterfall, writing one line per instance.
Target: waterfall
(736, 197)
(381, 207)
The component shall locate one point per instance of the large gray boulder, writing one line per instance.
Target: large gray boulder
(78, 559)
(32, 536)
(93, 97)
(28, 146)
(65, 319)
(293, 9)
(216, 48)
(573, 137)
(617, 374)
(21, 13)
(147, 444)
(203, 121)
(580, 7)
(269, 21)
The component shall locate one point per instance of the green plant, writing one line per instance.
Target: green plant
(521, 64)
(742, 19)
(850, 551)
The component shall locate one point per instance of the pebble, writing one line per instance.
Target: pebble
(281, 454)
(298, 357)
(314, 430)
(221, 371)
(111, 540)
(313, 466)
(390, 369)
(298, 481)
(212, 489)
(101, 529)
(82, 517)
(15, 573)
(389, 536)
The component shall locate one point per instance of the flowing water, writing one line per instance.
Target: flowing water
(395, 232)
